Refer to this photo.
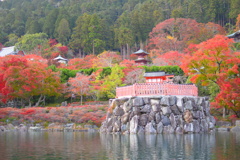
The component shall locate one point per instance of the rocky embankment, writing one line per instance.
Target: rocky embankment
(53, 127)
(163, 114)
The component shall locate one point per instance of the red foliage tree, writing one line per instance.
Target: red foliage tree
(176, 34)
(25, 77)
(82, 63)
(172, 58)
(215, 64)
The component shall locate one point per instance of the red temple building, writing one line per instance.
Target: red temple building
(158, 77)
(141, 57)
(157, 84)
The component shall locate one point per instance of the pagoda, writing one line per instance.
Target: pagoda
(141, 57)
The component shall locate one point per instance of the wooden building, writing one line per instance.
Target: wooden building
(158, 77)
(141, 54)
(235, 36)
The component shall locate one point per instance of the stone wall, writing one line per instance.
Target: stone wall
(162, 114)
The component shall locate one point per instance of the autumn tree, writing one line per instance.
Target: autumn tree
(80, 85)
(212, 63)
(107, 59)
(172, 58)
(176, 34)
(82, 63)
(134, 76)
(27, 77)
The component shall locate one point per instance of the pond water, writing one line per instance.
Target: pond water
(75, 145)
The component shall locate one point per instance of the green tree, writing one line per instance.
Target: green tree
(30, 41)
(88, 35)
(63, 32)
(12, 40)
(48, 26)
(112, 81)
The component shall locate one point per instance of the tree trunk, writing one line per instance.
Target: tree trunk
(80, 53)
(29, 102)
(41, 99)
(128, 52)
(93, 49)
(224, 112)
(124, 52)
(81, 99)
(121, 50)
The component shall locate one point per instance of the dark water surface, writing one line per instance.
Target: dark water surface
(55, 146)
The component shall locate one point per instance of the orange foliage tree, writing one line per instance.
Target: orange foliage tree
(213, 63)
(82, 63)
(27, 77)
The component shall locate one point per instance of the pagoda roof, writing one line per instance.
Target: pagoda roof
(140, 51)
(141, 59)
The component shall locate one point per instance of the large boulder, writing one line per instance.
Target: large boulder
(155, 108)
(118, 111)
(134, 124)
(141, 130)
(166, 121)
(175, 110)
(151, 116)
(188, 116)
(188, 105)
(146, 108)
(138, 101)
(188, 127)
(143, 120)
(159, 127)
(204, 125)
(127, 106)
(125, 118)
(117, 126)
(196, 126)
(150, 129)
(158, 117)
(166, 111)
(155, 102)
(173, 120)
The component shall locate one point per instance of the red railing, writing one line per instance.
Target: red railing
(148, 89)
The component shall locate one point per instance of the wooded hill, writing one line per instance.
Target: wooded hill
(105, 24)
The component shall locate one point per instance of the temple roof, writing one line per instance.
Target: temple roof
(140, 51)
(156, 74)
(60, 58)
(233, 34)
(7, 51)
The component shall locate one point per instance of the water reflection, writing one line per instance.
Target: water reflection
(171, 146)
(44, 145)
